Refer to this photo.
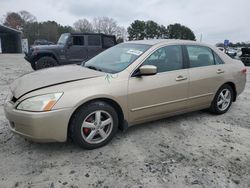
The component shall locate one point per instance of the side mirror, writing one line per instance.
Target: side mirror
(147, 70)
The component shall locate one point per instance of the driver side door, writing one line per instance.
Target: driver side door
(155, 96)
(77, 51)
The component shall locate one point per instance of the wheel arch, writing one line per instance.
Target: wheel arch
(45, 54)
(232, 85)
(122, 121)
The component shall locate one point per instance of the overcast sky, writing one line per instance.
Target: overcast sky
(216, 20)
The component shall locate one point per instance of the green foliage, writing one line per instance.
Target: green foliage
(33, 30)
(136, 30)
(140, 30)
(152, 30)
(49, 30)
(178, 31)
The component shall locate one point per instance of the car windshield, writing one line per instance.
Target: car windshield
(63, 38)
(117, 58)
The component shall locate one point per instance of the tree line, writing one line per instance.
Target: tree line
(139, 30)
(51, 30)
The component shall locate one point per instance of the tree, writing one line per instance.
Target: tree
(178, 31)
(105, 25)
(13, 20)
(109, 26)
(136, 30)
(83, 25)
(49, 30)
(27, 17)
(152, 30)
(140, 30)
(17, 20)
(64, 29)
(121, 34)
(163, 32)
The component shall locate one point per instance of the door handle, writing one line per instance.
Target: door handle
(180, 78)
(219, 71)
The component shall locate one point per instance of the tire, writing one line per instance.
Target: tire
(33, 65)
(87, 131)
(45, 62)
(219, 104)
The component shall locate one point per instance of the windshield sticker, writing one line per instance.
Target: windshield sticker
(134, 52)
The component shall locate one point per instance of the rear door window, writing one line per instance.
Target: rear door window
(200, 56)
(94, 40)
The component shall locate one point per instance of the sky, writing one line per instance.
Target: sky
(215, 20)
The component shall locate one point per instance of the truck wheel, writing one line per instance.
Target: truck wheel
(33, 65)
(45, 62)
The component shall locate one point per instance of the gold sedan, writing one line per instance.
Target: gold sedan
(128, 84)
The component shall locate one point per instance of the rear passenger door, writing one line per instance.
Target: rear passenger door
(205, 73)
(94, 45)
(77, 51)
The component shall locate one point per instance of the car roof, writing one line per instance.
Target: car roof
(101, 34)
(165, 41)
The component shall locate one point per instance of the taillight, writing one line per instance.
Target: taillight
(244, 71)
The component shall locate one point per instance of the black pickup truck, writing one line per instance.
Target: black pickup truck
(71, 48)
(245, 56)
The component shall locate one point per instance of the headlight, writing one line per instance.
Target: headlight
(39, 103)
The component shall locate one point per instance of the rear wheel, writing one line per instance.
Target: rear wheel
(94, 125)
(222, 100)
(45, 62)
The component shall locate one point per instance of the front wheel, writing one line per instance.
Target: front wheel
(45, 62)
(94, 125)
(222, 100)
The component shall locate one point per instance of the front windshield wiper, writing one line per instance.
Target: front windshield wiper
(93, 68)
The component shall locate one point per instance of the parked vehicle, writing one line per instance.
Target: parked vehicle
(128, 84)
(231, 52)
(245, 56)
(42, 42)
(71, 48)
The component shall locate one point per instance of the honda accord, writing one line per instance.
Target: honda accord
(128, 84)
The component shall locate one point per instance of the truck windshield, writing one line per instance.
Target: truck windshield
(63, 38)
(117, 58)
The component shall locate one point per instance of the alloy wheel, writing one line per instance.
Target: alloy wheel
(96, 127)
(224, 99)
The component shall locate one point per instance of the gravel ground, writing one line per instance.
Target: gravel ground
(191, 150)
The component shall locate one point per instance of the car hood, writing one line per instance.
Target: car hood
(49, 77)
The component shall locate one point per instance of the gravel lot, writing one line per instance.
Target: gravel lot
(192, 150)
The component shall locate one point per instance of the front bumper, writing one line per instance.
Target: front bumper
(51, 126)
(28, 57)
